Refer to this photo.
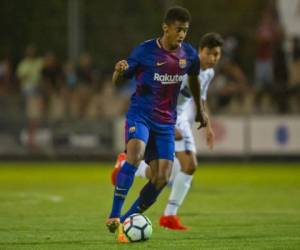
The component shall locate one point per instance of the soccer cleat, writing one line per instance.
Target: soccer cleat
(121, 235)
(171, 222)
(113, 224)
(121, 157)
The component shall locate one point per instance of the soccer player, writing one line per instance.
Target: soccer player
(185, 161)
(159, 66)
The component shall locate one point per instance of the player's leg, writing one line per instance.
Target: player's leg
(159, 154)
(136, 142)
(187, 162)
(180, 188)
(143, 169)
(124, 180)
(149, 193)
(182, 180)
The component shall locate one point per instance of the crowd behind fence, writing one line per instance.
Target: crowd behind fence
(44, 88)
(41, 86)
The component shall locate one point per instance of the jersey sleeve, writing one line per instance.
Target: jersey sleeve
(195, 66)
(134, 61)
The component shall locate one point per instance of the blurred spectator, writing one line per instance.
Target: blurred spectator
(280, 98)
(7, 81)
(9, 99)
(231, 48)
(70, 75)
(86, 85)
(269, 55)
(71, 81)
(29, 75)
(230, 88)
(264, 64)
(106, 103)
(280, 68)
(53, 87)
(294, 80)
(125, 91)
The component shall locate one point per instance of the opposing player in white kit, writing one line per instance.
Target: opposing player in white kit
(185, 162)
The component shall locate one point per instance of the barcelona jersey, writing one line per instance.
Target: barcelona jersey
(159, 74)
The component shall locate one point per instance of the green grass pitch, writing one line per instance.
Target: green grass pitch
(230, 206)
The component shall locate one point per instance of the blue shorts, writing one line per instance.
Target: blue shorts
(158, 137)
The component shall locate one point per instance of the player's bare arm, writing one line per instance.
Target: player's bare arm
(195, 90)
(209, 133)
(120, 68)
(178, 135)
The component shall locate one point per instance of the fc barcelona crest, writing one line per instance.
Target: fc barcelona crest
(182, 63)
(132, 129)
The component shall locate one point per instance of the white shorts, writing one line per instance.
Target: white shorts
(184, 125)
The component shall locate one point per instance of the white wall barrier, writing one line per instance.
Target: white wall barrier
(275, 135)
(229, 137)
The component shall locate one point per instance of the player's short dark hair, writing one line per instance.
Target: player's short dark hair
(211, 40)
(177, 13)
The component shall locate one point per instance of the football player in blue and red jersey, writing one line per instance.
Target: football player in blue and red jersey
(158, 66)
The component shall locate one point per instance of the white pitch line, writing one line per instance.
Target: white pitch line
(34, 197)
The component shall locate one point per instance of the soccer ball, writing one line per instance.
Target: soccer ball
(137, 227)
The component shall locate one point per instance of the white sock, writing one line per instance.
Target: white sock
(181, 186)
(141, 171)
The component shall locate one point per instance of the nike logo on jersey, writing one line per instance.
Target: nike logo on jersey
(120, 189)
(158, 64)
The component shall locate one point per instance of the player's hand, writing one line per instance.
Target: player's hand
(178, 135)
(201, 117)
(121, 66)
(210, 137)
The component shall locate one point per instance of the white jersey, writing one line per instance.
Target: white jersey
(185, 95)
(186, 111)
